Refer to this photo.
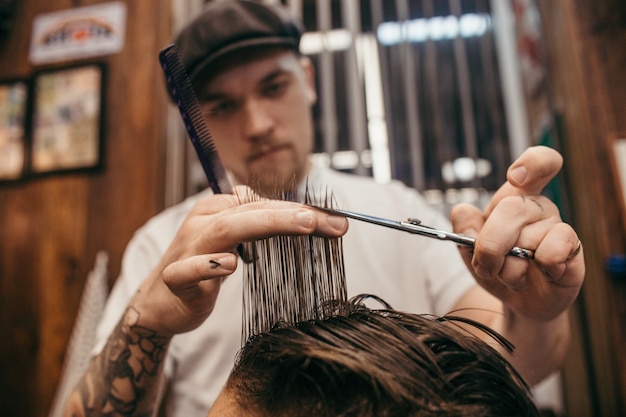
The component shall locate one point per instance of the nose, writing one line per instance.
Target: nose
(257, 120)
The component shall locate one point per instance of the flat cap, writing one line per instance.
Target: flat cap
(225, 26)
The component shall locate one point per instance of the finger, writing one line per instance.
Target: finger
(466, 219)
(529, 174)
(245, 200)
(189, 272)
(249, 222)
(532, 171)
(506, 227)
(284, 218)
(559, 249)
(513, 274)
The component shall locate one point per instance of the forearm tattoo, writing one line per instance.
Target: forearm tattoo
(124, 379)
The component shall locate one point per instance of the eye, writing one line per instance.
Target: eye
(219, 108)
(275, 89)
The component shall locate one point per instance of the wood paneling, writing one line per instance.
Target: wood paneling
(53, 226)
(587, 49)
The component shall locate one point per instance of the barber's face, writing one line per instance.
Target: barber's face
(259, 114)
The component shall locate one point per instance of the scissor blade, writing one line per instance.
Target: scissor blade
(394, 224)
(410, 227)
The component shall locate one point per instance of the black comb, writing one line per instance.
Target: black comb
(180, 87)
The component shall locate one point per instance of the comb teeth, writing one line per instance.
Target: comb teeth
(180, 87)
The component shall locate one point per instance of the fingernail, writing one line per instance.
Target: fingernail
(518, 175)
(305, 218)
(337, 222)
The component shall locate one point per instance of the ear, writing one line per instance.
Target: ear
(309, 74)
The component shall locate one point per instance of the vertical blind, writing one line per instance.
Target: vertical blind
(409, 90)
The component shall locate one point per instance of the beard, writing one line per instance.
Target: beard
(277, 174)
(274, 184)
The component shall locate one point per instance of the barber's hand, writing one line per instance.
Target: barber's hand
(518, 215)
(181, 292)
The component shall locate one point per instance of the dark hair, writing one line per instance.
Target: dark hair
(376, 363)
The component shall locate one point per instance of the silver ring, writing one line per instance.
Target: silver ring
(522, 253)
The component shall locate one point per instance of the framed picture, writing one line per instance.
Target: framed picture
(13, 105)
(67, 119)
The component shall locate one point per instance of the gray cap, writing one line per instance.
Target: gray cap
(225, 26)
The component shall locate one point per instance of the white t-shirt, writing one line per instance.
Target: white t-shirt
(409, 272)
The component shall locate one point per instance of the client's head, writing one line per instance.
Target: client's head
(377, 363)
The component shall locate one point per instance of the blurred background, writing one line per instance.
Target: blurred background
(439, 94)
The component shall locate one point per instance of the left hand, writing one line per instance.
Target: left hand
(181, 291)
(539, 289)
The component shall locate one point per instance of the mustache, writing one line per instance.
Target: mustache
(264, 148)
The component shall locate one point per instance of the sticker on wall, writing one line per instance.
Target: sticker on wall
(77, 33)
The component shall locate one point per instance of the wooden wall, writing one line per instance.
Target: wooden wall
(586, 43)
(52, 227)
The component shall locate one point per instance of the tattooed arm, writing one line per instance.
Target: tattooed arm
(132, 363)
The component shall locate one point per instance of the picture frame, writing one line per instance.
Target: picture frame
(67, 119)
(14, 95)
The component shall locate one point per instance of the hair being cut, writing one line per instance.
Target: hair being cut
(293, 278)
(376, 363)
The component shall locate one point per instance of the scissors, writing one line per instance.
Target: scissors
(415, 226)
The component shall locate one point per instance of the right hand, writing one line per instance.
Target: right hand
(181, 291)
